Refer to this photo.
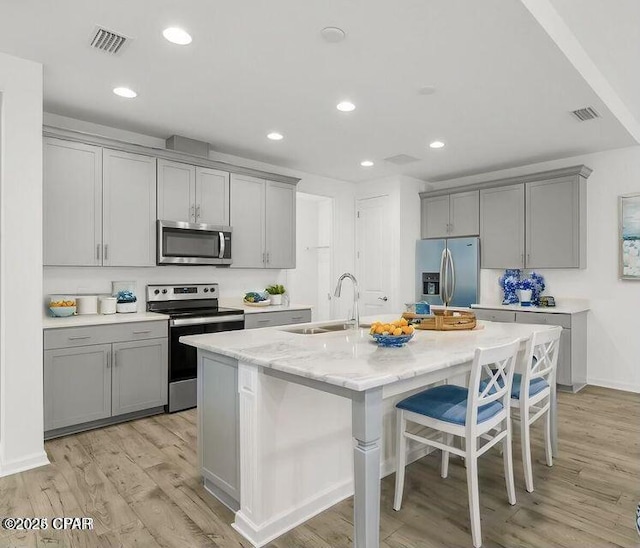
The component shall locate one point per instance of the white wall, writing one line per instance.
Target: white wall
(613, 341)
(233, 282)
(403, 224)
(21, 422)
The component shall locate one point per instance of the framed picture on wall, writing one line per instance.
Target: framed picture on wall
(630, 237)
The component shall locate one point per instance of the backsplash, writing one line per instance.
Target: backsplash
(97, 280)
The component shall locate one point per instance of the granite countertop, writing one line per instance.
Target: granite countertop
(563, 306)
(351, 358)
(101, 319)
(237, 303)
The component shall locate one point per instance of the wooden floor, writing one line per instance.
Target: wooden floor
(139, 483)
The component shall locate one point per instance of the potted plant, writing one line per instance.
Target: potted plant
(275, 293)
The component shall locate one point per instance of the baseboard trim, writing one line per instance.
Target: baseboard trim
(27, 463)
(260, 535)
(615, 385)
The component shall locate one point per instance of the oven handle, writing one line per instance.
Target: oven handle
(222, 245)
(210, 320)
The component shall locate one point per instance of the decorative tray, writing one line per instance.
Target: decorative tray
(443, 320)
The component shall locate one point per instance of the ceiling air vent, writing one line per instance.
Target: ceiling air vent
(401, 159)
(108, 40)
(584, 114)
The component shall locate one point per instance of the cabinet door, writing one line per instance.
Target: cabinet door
(129, 209)
(140, 376)
(563, 372)
(212, 196)
(72, 203)
(435, 217)
(464, 214)
(502, 227)
(77, 385)
(176, 191)
(247, 221)
(280, 225)
(553, 223)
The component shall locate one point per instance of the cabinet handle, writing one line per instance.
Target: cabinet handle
(193, 212)
(528, 258)
(197, 211)
(267, 257)
(142, 332)
(98, 251)
(296, 317)
(264, 321)
(264, 259)
(106, 251)
(115, 359)
(79, 338)
(108, 359)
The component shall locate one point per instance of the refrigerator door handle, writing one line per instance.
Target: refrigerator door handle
(443, 276)
(450, 274)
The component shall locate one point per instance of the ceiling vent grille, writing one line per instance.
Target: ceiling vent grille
(401, 159)
(107, 40)
(584, 114)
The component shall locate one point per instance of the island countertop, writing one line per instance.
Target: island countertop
(351, 358)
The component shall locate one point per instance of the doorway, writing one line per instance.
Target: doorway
(310, 282)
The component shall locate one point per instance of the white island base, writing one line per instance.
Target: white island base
(291, 424)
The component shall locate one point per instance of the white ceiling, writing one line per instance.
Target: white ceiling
(503, 88)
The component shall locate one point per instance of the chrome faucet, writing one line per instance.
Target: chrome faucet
(356, 296)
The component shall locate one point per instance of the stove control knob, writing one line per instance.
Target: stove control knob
(213, 289)
(156, 292)
(164, 291)
(206, 290)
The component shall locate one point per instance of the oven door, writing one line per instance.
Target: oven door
(193, 243)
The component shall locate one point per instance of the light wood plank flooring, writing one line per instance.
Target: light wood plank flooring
(139, 483)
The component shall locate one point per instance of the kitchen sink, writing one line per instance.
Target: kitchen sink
(322, 329)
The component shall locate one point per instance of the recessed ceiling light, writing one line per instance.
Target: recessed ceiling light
(275, 136)
(427, 90)
(333, 34)
(366, 163)
(177, 35)
(345, 106)
(436, 144)
(125, 92)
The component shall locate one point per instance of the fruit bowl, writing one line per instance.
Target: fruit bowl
(392, 340)
(62, 311)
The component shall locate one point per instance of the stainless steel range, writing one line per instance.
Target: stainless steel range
(193, 310)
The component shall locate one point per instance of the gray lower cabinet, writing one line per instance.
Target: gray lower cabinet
(571, 373)
(96, 375)
(139, 376)
(271, 319)
(77, 385)
(218, 443)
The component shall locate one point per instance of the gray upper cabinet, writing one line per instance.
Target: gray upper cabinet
(502, 227)
(139, 376)
(247, 221)
(263, 218)
(192, 194)
(464, 214)
(77, 385)
(451, 215)
(280, 230)
(176, 191)
(129, 209)
(435, 217)
(556, 223)
(72, 203)
(212, 196)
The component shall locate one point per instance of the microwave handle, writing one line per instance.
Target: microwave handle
(222, 245)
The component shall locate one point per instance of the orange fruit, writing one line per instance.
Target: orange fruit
(379, 330)
(397, 331)
(403, 322)
(407, 329)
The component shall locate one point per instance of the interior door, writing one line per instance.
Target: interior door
(373, 258)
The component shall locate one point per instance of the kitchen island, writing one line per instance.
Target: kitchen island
(291, 423)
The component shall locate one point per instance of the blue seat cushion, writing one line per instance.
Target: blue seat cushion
(535, 386)
(447, 403)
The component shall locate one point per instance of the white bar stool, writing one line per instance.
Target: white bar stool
(468, 413)
(531, 393)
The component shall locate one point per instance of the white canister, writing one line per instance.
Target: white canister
(87, 304)
(126, 308)
(108, 305)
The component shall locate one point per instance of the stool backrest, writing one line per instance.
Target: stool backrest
(541, 357)
(496, 365)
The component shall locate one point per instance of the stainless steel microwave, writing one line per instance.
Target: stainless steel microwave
(193, 244)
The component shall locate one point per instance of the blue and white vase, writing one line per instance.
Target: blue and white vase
(509, 283)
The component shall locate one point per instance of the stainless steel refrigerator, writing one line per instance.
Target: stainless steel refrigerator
(447, 271)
